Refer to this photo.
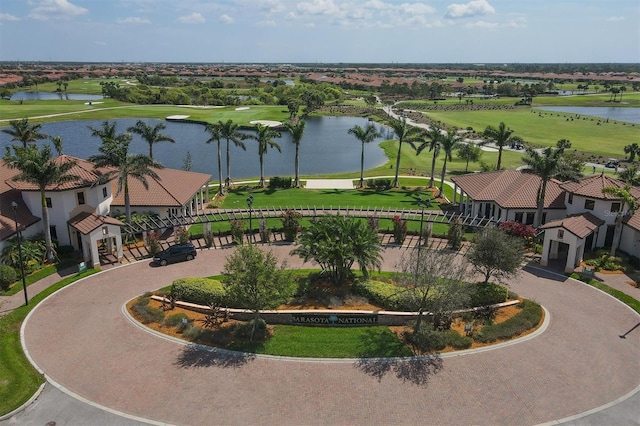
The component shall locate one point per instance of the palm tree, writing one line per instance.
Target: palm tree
(502, 136)
(546, 166)
(628, 203)
(114, 155)
(404, 132)
(632, 149)
(216, 136)
(432, 140)
(150, 134)
(264, 136)
(57, 143)
(229, 131)
(366, 135)
(629, 175)
(297, 131)
(39, 167)
(24, 132)
(448, 143)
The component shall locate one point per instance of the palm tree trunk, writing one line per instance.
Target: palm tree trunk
(499, 158)
(49, 251)
(395, 179)
(127, 204)
(261, 184)
(296, 183)
(444, 171)
(227, 182)
(151, 151)
(540, 206)
(433, 169)
(220, 192)
(361, 183)
(617, 235)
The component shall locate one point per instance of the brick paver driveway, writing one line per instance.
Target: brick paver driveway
(80, 338)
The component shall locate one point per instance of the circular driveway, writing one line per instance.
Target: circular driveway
(80, 338)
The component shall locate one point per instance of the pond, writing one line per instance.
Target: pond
(627, 114)
(326, 147)
(53, 96)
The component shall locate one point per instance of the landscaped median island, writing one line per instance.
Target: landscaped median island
(259, 307)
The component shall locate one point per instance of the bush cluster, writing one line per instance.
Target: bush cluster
(148, 314)
(488, 294)
(280, 182)
(8, 276)
(202, 291)
(378, 183)
(379, 293)
(175, 320)
(529, 317)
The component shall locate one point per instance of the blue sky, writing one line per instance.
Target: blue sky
(288, 31)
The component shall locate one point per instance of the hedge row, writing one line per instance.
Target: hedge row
(529, 317)
(379, 293)
(201, 291)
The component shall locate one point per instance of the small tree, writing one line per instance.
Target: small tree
(433, 281)
(469, 153)
(237, 231)
(253, 280)
(336, 243)
(399, 230)
(455, 235)
(496, 254)
(291, 224)
(182, 235)
(153, 243)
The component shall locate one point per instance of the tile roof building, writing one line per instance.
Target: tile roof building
(577, 216)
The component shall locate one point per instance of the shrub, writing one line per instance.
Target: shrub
(373, 222)
(455, 235)
(263, 229)
(175, 320)
(291, 224)
(208, 239)
(605, 262)
(8, 276)
(379, 183)
(153, 243)
(237, 231)
(142, 301)
(243, 330)
(426, 339)
(202, 291)
(148, 314)
(192, 332)
(399, 230)
(280, 182)
(488, 294)
(379, 293)
(182, 235)
(517, 229)
(528, 317)
(456, 341)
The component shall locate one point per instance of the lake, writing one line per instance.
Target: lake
(627, 114)
(53, 96)
(326, 147)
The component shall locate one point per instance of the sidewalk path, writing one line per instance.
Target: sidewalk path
(80, 338)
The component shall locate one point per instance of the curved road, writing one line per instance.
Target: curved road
(82, 340)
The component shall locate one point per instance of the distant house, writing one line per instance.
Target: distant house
(82, 214)
(577, 216)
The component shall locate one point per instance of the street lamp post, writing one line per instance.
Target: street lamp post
(14, 206)
(250, 205)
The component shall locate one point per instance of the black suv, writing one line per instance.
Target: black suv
(176, 253)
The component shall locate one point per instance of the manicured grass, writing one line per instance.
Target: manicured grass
(621, 296)
(36, 276)
(331, 342)
(18, 379)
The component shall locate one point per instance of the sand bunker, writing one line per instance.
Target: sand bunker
(177, 117)
(242, 108)
(267, 123)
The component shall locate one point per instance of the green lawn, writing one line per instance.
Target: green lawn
(330, 342)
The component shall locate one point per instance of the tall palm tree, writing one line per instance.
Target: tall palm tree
(57, 143)
(501, 136)
(366, 135)
(39, 167)
(24, 132)
(404, 132)
(264, 136)
(216, 136)
(632, 149)
(297, 131)
(150, 134)
(448, 144)
(628, 207)
(114, 155)
(629, 175)
(231, 133)
(546, 166)
(431, 140)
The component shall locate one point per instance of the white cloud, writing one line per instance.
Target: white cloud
(226, 19)
(318, 7)
(269, 23)
(615, 18)
(416, 8)
(55, 9)
(133, 20)
(482, 24)
(193, 18)
(8, 17)
(473, 8)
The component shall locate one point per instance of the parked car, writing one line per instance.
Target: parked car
(176, 253)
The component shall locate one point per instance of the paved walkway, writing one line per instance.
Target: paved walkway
(328, 183)
(81, 340)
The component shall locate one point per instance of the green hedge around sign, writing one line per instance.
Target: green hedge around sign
(202, 291)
